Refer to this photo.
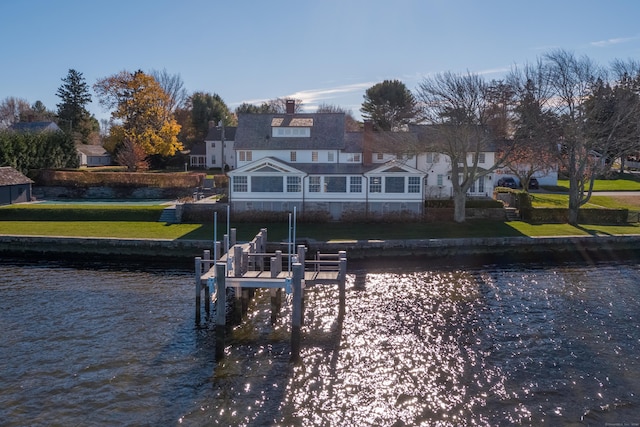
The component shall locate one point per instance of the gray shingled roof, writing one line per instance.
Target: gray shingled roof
(254, 132)
(353, 142)
(333, 168)
(92, 150)
(215, 133)
(10, 176)
(198, 149)
(429, 135)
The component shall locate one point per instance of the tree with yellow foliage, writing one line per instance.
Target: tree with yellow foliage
(141, 112)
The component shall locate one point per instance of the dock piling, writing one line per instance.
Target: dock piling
(221, 310)
(296, 310)
(198, 268)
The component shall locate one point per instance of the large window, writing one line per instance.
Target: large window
(314, 184)
(244, 156)
(394, 184)
(481, 184)
(266, 184)
(375, 184)
(354, 158)
(293, 184)
(240, 184)
(414, 184)
(335, 184)
(355, 184)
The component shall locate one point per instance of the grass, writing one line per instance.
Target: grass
(140, 222)
(625, 182)
(332, 232)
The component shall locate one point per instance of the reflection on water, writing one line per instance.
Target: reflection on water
(493, 346)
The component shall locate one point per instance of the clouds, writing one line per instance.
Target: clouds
(614, 41)
(312, 98)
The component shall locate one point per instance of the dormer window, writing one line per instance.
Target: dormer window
(296, 127)
(291, 132)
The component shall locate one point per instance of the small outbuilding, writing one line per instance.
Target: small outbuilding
(93, 155)
(14, 186)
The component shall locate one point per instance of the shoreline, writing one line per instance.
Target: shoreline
(359, 252)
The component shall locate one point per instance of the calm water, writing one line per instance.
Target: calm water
(493, 346)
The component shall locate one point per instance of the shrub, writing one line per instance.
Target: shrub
(49, 177)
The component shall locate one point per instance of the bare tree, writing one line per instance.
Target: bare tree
(457, 107)
(535, 130)
(12, 110)
(351, 124)
(173, 85)
(588, 137)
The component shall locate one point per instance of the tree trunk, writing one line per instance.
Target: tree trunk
(574, 201)
(459, 206)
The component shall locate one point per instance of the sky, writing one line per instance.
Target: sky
(320, 51)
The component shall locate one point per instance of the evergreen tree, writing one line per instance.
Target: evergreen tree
(389, 105)
(72, 111)
(206, 108)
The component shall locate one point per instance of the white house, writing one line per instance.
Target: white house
(309, 161)
(217, 150)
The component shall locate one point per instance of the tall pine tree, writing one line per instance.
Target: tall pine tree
(72, 112)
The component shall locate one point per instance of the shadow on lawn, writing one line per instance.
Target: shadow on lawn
(361, 231)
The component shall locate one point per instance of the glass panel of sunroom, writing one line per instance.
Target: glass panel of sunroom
(266, 184)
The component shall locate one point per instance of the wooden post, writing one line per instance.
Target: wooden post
(226, 245)
(237, 261)
(302, 254)
(237, 272)
(342, 278)
(216, 251)
(207, 297)
(198, 287)
(276, 293)
(232, 238)
(296, 311)
(221, 310)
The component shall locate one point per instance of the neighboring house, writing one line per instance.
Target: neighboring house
(93, 155)
(217, 150)
(35, 127)
(437, 166)
(14, 187)
(310, 162)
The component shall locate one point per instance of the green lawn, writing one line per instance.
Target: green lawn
(140, 222)
(625, 183)
(331, 231)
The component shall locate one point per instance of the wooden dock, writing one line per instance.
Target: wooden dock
(248, 266)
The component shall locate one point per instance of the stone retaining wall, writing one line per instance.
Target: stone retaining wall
(182, 251)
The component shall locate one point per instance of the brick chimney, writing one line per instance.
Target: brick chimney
(291, 106)
(367, 143)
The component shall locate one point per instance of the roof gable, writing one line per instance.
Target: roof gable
(394, 167)
(266, 165)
